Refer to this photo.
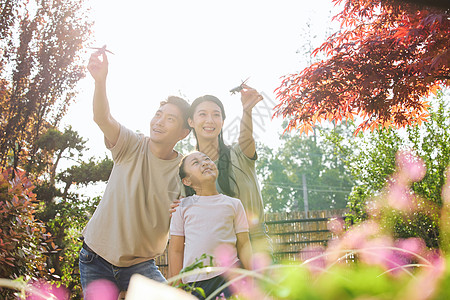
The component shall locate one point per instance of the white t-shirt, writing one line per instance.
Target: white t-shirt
(131, 222)
(207, 222)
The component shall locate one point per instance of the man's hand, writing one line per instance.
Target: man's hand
(98, 67)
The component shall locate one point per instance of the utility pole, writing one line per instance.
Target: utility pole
(305, 195)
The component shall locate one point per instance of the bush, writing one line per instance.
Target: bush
(24, 241)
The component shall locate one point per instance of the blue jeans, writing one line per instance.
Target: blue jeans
(93, 267)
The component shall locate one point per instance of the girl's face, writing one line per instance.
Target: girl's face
(207, 120)
(199, 169)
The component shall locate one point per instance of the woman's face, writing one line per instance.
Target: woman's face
(207, 120)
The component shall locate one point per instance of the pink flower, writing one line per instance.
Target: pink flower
(336, 226)
(41, 290)
(399, 197)
(356, 238)
(224, 256)
(260, 261)
(379, 251)
(411, 167)
(425, 285)
(313, 258)
(414, 245)
(246, 288)
(101, 289)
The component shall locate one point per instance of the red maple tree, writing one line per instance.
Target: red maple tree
(380, 66)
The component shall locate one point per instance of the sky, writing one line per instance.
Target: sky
(193, 48)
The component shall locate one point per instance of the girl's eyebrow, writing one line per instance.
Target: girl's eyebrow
(194, 160)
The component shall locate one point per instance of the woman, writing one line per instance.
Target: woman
(236, 163)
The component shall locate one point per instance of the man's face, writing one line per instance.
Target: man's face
(166, 127)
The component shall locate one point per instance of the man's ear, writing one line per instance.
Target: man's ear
(186, 181)
(184, 133)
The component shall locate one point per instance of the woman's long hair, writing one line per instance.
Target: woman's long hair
(224, 162)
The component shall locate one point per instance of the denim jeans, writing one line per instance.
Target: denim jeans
(93, 267)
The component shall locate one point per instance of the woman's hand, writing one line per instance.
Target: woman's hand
(173, 206)
(249, 98)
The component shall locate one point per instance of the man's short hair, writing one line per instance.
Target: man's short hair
(182, 105)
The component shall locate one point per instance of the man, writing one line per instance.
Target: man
(131, 223)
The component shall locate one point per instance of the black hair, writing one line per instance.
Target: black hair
(182, 173)
(224, 162)
(182, 105)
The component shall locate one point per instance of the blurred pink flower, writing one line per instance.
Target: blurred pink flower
(355, 238)
(101, 289)
(313, 258)
(410, 167)
(399, 197)
(425, 285)
(246, 288)
(359, 235)
(373, 208)
(260, 261)
(414, 245)
(336, 226)
(224, 256)
(42, 290)
(378, 251)
(221, 297)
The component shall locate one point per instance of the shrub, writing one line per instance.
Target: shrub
(24, 241)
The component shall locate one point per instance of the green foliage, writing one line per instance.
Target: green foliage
(40, 65)
(24, 241)
(314, 158)
(340, 282)
(62, 206)
(199, 263)
(186, 145)
(371, 160)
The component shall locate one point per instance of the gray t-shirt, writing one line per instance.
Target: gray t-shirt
(131, 222)
(246, 187)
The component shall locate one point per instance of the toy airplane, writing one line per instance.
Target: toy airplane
(238, 88)
(101, 50)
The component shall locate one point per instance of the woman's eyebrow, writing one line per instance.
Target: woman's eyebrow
(204, 110)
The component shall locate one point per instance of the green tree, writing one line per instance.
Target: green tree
(271, 171)
(312, 158)
(371, 160)
(62, 206)
(24, 240)
(40, 65)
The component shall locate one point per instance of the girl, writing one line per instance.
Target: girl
(237, 176)
(204, 221)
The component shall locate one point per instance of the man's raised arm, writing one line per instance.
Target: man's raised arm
(102, 115)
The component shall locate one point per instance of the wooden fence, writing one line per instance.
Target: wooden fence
(294, 235)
